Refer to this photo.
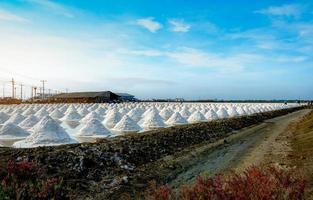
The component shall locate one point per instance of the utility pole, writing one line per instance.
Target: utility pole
(13, 87)
(3, 90)
(21, 91)
(32, 93)
(14, 92)
(43, 88)
(35, 88)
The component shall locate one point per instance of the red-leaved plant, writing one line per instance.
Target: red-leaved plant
(22, 182)
(253, 184)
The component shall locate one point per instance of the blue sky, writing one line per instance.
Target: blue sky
(161, 49)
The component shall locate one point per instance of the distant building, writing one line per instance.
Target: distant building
(126, 97)
(85, 97)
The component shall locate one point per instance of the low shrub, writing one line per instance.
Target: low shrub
(253, 184)
(21, 182)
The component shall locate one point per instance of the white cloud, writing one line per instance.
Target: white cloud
(141, 52)
(288, 59)
(8, 16)
(179, 26)
(197, 58)
(288, 10)
(55, 7)
(149, 24)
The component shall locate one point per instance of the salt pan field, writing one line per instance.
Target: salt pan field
(33, 125)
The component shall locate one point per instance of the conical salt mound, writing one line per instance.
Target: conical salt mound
(56, 114)
(196, 117)
(47, 132)
(112, 119)
(94, 128)
(28, 111)
(3, 117)
(211, 115)
(241, 111)
(166, 113)
(12, 131)
(222, 113)
(152, 121)
(16, 118)
(29, 122)
(185, 113)
(101, 111)
(149, 111)
(71, 108)
(126, 125)
(83, 112)
(176, 119)
(91, 115)
(71, 116)
(232, 112)
(135, 114)
(41, 113)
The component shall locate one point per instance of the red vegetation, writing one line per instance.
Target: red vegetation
(253, 184)
(22, 182)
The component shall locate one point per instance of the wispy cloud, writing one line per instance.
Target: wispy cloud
(197, 58)
(52, 6)
(288, 10)
(179, 26)
(149, 23)
(8, 16)
(141, 52)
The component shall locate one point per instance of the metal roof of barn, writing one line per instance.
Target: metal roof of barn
(124, 95)
(85, 94)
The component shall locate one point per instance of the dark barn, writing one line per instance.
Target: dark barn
(85, 97)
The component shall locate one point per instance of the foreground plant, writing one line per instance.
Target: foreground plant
(253, 184)
(22, 182)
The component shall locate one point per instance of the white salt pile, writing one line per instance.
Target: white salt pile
(41, 113)
(222, 113)
(83, 111)
(196, 117)
(152, 120)
(71, 108)
(101, 111)
(185, 113)
(71, 116)
(166, 113)
(47, 132)
(93, 128)
(135, 114)
(241, 111)
(10, 131)
(28, 111)
(29, 122)
(112, 118)
(211, 115)
(91, 115)
(126, 125)
(16, 118)
(56, 114)
(176, 119)
(3, 117)
(232, 112)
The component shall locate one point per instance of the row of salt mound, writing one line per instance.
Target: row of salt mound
(47, 132)
(10, 131)
(93, 128)
(127, 124)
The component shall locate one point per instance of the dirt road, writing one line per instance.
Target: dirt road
(255, 145)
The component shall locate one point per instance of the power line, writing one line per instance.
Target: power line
(13, 88)
(43, 88)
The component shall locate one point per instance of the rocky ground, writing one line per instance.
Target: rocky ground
(111, 168)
